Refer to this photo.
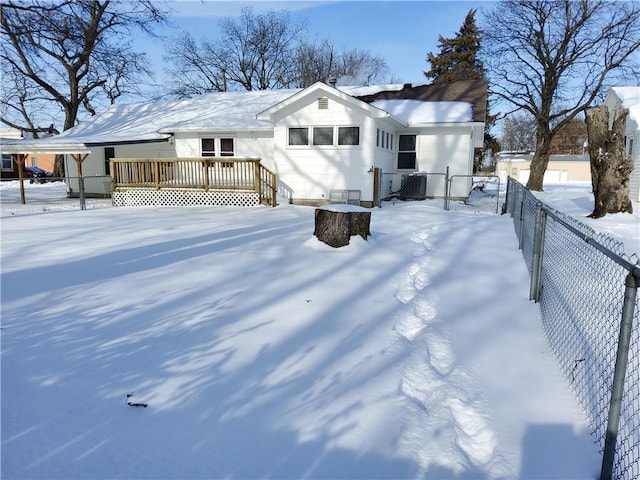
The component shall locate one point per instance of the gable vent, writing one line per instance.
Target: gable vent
(323, 103)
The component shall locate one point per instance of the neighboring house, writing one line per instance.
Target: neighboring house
(629, 97)
(9, 169)
(561, 168)
(317, 140)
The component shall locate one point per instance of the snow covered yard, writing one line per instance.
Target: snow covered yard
(263, 353)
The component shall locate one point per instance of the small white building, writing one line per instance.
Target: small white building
(317, 140)
(629, 97)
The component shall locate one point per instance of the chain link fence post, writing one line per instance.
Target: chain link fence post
(447, 189)
(538, 252)
(622, 358)
(521, 226)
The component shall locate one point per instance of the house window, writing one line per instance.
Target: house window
(348, 135)
(630, 146)
(208, 147)
(226, 147)
(406, 152)
(377, 137)
(7, 162)
(109, 153)
(323, 135)
(34, 161)
(391, 146)
(298, 136)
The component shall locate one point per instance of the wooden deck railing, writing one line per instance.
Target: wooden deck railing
(207, 173)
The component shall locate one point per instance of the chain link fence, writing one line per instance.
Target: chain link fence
(587, 290)
(455, 192)
(51, 194)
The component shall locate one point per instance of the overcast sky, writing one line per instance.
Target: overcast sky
(402, 32)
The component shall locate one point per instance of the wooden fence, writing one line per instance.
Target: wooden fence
(207, 173)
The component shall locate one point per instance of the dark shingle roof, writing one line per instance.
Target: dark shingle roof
(471, 91)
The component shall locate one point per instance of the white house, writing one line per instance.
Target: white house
(317, 140)
(629, 97)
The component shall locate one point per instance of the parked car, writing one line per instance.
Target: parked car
(35, 174)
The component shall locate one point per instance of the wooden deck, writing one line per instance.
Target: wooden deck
(231, 175)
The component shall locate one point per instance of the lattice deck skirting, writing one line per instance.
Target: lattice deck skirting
(137, 197)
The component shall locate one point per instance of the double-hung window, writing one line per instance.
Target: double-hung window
(209, 147)
(226, 147)
(7, 162)
(406, 152)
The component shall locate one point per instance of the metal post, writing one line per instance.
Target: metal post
(446, 189)
(521, 228)
(617, 390)
(83, 205)
(538, 250)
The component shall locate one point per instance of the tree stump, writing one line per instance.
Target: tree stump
(336, 224)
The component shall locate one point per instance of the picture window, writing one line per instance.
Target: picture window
(323, 136)
(298, 136)
(348, 136)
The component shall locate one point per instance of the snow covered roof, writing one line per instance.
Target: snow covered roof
(359, 91)
(470, 91)
(239, 110)
(417, 111)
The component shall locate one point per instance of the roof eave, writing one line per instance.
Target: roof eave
(26, 148)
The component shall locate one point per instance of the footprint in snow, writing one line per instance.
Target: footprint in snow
(474, 436)
(440, 354)
(425, 309)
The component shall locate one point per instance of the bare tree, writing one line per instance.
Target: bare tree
(255, 52)
(359, 67)
(321, 61)
(551, 59)
(72, 54)
(519, 133)
(316, 62)
(60, 58)
(191, 72)
(261, 52)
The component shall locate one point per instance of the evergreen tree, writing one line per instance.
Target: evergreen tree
(459, 60)
(458, 57)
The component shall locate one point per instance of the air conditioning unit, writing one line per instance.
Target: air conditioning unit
(413, 187)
